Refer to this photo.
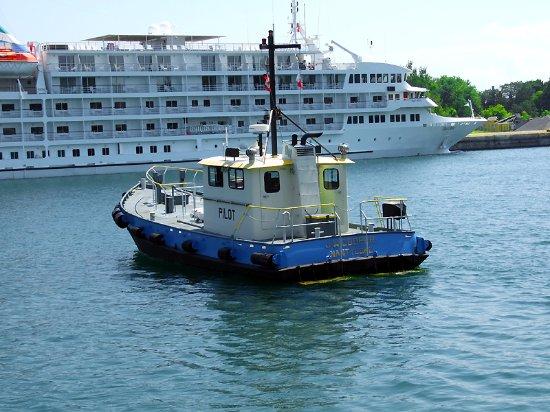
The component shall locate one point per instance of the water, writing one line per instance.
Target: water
(88, 323)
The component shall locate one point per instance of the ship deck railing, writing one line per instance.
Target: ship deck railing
(372, 218)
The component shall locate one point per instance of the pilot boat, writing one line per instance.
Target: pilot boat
(281, 216)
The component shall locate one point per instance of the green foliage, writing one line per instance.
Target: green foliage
(451, 93)
(525, 116)
(497, 110)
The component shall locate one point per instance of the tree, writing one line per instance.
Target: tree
(497, 110)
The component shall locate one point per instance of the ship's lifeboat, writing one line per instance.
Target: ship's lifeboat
(16, 60)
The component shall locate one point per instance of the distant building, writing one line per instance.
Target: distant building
(538, 123)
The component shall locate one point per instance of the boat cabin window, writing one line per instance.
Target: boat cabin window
(331, 179)
(373, 78)
(235, 178)
(215, 176)
(8, 107)
(272, 182)
(35, 107)
(399, 78)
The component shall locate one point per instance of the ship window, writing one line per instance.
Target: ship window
(379, 78)
(8, 130)
(376, 98)
(8, 107)
(259, 102)
(311, 120)
(331, 179)
(376, 118)
(382, 118)
(329, 120)
(353, 99)
(357, 78)
(1, 156)
(371, 118)
(105, 151)
(403, 117)
(282, 100)
(61, 106)
(171, 103)
(37, 130)
(392, 78)
(235, 178)
(373, 78)
(30, 154)
(355, 120)
(272, 182)
(235, 102)
(120, 105)
(361, 119)
(392, 118)
(390, 96)
(411, 117)
(240, 123)
(206, 103)
(385, 78)
(172, 125)
(149, 104)
(417, 117)
(351, 78)
(405, 95)
(364, 78)
(167, 148)
(121, 127)
(308, 100)
(150, 126)
(61, 153)
(35, 107)
(76, 152)
(399, 78)
(95, 105)
(215, 176)
(397, 118)
(97, 128)
(349, 120)
(91, 152)
(397, 96)
(283, 122)
(152, 149)
(328, 100)
(139, 149)
(14, 155)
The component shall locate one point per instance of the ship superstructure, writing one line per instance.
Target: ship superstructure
(118, 102)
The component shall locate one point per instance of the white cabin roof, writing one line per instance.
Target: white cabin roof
(180, 38)
(265, 163)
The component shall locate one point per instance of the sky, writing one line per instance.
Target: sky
(487, 42)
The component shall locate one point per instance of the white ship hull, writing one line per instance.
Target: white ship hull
(365, 144)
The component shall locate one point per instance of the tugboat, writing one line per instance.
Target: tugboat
(281, 216)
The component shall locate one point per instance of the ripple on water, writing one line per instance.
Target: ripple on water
(88, 323)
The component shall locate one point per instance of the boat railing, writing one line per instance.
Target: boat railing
(291, 223)
(187, 185)
(377, 222)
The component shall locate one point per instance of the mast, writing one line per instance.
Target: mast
(271, 46)
(294, 12)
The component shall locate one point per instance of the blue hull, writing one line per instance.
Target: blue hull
(317, 258)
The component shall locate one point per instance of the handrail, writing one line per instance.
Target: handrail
(282, 212)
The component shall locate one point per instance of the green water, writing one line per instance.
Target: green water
(88, 323)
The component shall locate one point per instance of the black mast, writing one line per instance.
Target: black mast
(271, 46)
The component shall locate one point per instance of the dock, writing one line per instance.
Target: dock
(503, 140)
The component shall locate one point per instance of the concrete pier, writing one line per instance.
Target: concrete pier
(504, 140)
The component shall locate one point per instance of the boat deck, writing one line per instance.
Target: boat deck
(141, 202)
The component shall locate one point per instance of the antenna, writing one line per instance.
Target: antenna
(270, 45)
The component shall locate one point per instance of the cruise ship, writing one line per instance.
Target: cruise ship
(118, 102)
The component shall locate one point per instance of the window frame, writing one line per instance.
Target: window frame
(329, 183)
(234, 181)
(215, 176)
(272, 184)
